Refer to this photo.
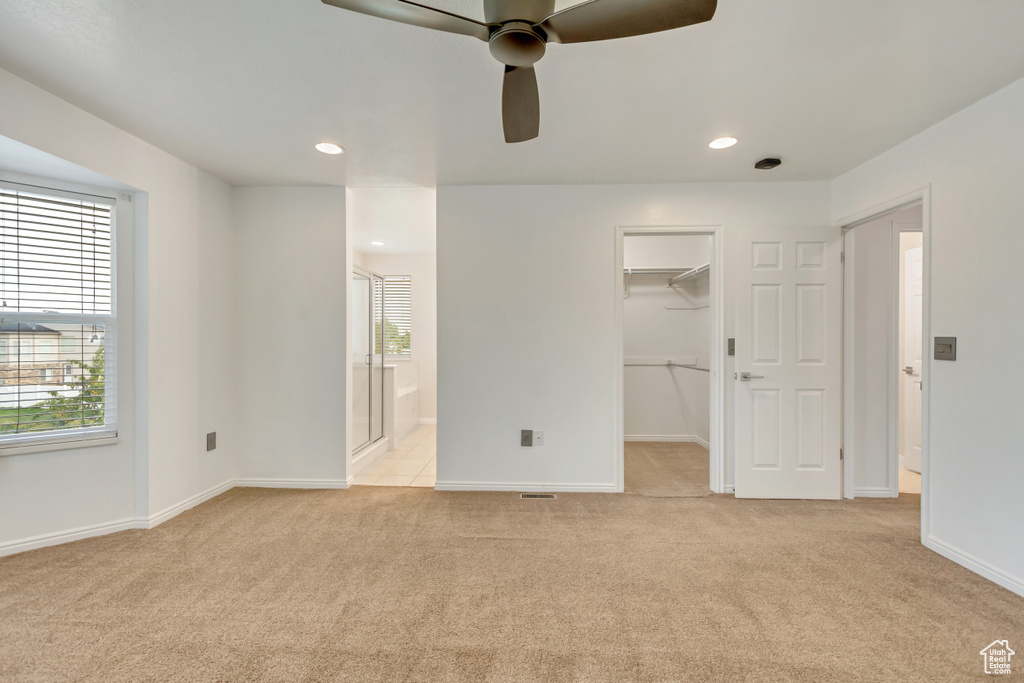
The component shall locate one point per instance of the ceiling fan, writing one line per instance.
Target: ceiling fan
(518, 32)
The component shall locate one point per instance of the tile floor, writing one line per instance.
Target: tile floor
(910, 481)
(413, 463)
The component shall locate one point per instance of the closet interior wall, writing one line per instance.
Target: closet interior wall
(663, 324)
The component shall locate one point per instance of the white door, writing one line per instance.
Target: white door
(912, 345)
(788, 365)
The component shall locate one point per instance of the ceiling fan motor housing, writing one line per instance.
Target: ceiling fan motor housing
(517, 43)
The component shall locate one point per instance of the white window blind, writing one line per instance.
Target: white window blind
(57, 319)
(397, 315)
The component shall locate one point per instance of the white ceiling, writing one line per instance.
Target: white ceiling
(244, 88)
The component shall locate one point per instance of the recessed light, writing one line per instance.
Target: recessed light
(377, 244)
(329, 148)
(722, 143)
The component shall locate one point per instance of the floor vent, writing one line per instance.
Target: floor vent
(546, 496)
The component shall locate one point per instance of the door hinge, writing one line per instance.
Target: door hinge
(842, 257)
(840, 453)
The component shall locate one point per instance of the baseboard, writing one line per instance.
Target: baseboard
(428, 420)
(176, 509)
(964, 559)
(668, 439)
(43, 540)
(729, 489)
(293, 483)
(501, 486)
(366, 456)
(874, 492)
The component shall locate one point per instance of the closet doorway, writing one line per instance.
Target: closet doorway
(670, 327)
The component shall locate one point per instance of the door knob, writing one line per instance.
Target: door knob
(909, 369)
(746, 377)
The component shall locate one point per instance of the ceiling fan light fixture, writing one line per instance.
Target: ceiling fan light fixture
(329, 148)
(723, 143)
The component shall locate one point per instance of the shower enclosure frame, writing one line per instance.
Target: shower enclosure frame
(364, 438)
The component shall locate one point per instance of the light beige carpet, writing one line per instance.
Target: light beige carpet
(666, 470)
(404, 584)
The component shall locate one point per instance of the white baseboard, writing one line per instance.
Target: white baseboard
(669, 438)
(964, 559)
(56, 538)
(176, 509)
(365, 457)
(874, 492)
(293, 483)
(729, 489)
(428, 420)
(526, 488)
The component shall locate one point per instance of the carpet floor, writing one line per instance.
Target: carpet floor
(666, 470)
(406, 584)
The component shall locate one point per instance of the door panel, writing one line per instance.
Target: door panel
(788, 341)
(912, 360)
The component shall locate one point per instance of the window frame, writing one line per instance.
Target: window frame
(80, 437)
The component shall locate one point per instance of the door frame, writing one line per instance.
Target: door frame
(893, 371)
(717, 361)
(920, 196)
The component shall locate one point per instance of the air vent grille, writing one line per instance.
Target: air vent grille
(546, 496)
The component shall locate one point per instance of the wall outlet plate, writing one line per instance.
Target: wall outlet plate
(945, 348)
(538, 438)
(211, 441)
(526, 438)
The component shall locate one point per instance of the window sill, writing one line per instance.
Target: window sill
(48, 446)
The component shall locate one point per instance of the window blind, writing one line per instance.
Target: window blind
(396, 315)
(57, 323)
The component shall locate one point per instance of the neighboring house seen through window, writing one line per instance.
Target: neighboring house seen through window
(57, 325)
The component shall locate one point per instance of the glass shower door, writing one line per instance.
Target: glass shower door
(377, 361)
(362, 358)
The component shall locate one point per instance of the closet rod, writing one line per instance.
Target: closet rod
(666, 364)
(690, 273)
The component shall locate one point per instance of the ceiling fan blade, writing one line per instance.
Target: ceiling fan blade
(417, 15)
(607, 19)
(520, 104)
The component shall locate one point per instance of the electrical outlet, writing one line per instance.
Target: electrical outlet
(538, 438)
(526, 438)
(211, 441)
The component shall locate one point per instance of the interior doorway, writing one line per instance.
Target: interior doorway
(669, 324)
(884, 354)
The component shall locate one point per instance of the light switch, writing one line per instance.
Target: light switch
(945, 348)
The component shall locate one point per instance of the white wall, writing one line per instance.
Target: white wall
(292, 364)
(179, 336)
(974, 474)
(423, 359)
(526, 334)
(663, 404)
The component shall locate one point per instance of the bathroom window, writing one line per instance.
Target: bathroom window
(397, 317)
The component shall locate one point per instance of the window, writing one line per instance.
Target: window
(397, 322)
(56, 316)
